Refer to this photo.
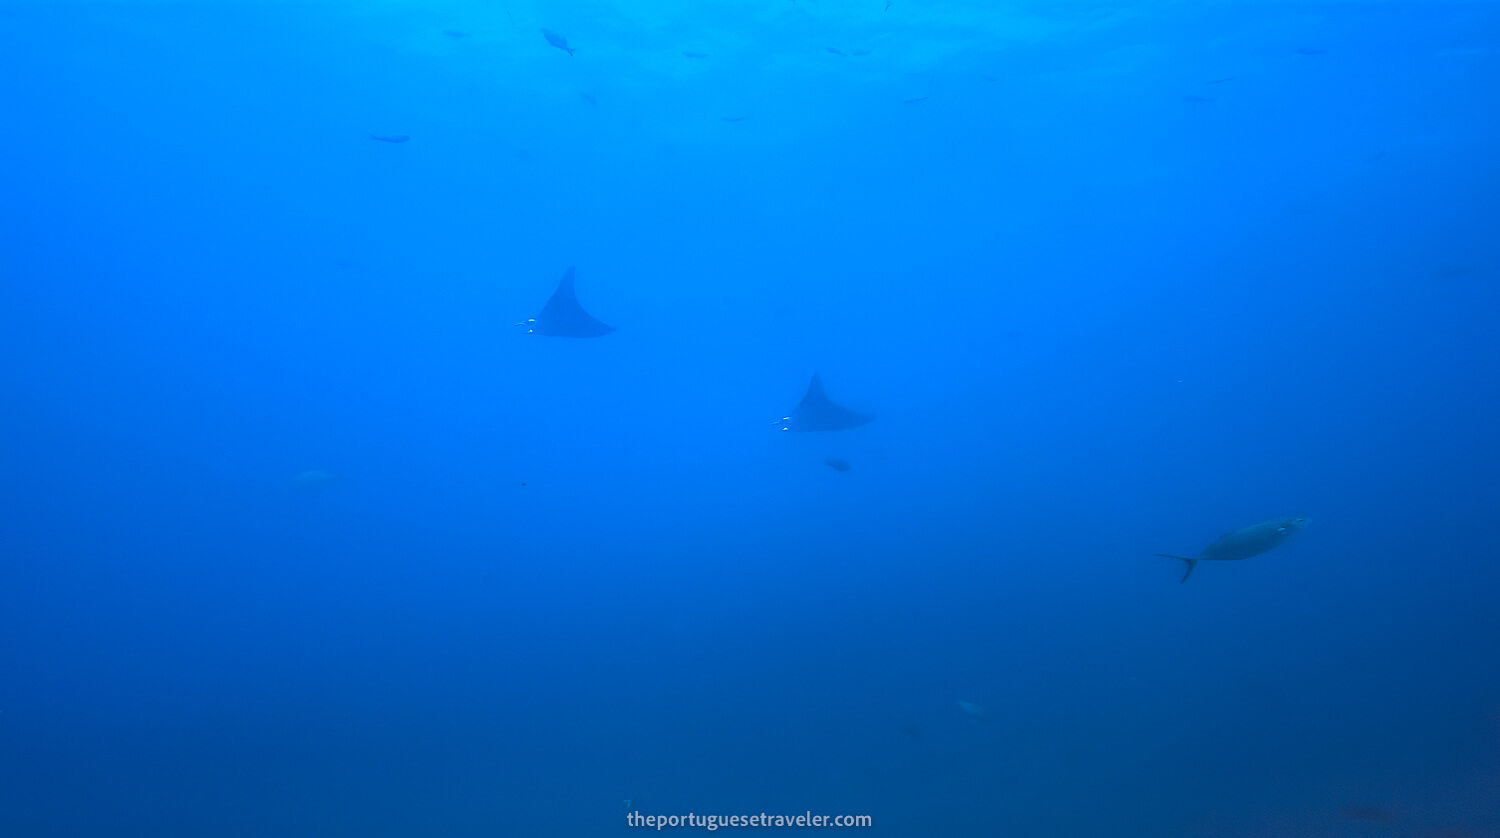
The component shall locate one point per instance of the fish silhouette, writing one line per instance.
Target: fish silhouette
(558, 41)
(394, 138)
(1243, 543)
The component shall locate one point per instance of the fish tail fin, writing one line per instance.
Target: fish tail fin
(571, 50)
(1191, 563)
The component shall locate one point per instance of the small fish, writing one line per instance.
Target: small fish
(731, 118)
(558, 41)
(454, 33)
(987, 78)
(974, 711)
(1195, 99)
(913, 101)
(859, 52)
(836, 51)
(687, 54)
(589, 97)
(837, 464)
(1309, 51)
(1243, 543)
(394, 138)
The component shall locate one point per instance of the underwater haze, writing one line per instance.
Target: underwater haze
(520, 418)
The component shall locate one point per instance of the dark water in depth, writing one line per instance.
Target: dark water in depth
(300, 535)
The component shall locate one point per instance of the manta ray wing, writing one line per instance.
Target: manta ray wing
(817, 413)
(563, 317)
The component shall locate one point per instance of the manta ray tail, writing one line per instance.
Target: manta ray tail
(1191, 563)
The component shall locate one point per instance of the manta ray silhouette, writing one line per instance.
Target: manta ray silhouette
(563, 317)
(816, 413)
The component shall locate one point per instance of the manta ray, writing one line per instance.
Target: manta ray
(817, 413)
(563, 317)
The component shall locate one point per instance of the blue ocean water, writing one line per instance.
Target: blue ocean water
(302, 534)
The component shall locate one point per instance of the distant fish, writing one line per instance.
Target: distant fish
(454, 33)
(837, 464)
(394, 138)
(558, 41)
(1195, 99)
(913, 101)
(731, 118)
(835, 51)
(974, 711)
(1309, 51)
(1243, 543)
(859, 52)
(987, 78)
(589, 97)
(687, 54)
(887, 7)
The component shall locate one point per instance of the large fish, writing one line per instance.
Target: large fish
(558, 41)
(1243, 543)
